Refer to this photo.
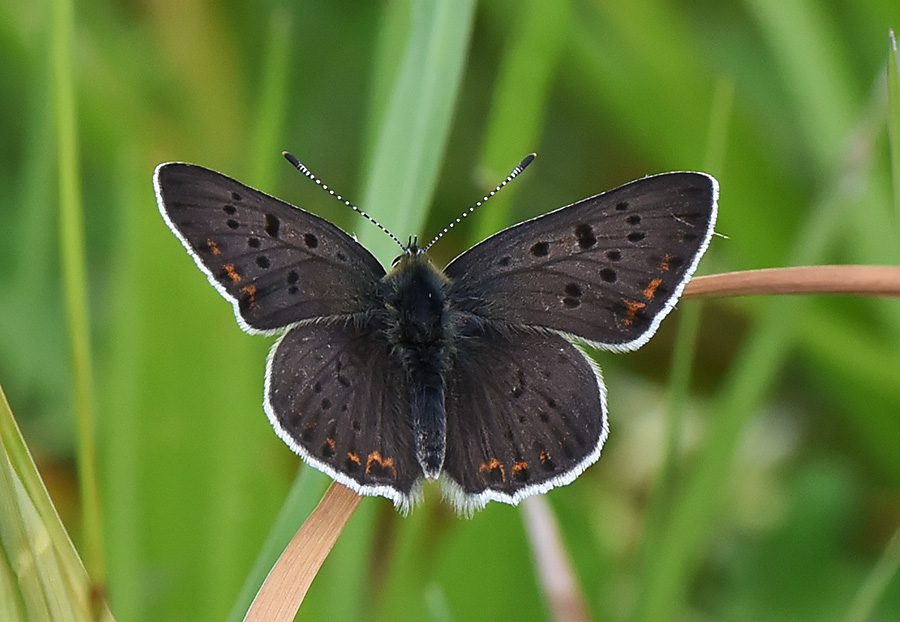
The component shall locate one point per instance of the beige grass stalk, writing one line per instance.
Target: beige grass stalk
(849, 280)
(286, 585)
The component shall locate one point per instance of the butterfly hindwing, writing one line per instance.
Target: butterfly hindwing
(338, 399)
(276, 263)
(606, 269)
(526, 411)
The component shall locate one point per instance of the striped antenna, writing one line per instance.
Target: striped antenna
(509, 178)
(299, 166)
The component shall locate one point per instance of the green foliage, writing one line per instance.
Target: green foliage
(772, 495)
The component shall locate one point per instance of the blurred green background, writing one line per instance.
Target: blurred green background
(763, 486)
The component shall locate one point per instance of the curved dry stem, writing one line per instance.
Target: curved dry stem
(848, 280)
(286, 585)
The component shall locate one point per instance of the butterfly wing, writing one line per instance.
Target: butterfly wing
(607, 269)
(336, 396)
(276, 263)
(537, 423)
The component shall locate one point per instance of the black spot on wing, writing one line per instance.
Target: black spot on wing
(584, 233)
(272, 225)
(540, 249)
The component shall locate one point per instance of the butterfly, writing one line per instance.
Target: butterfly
(474, 374)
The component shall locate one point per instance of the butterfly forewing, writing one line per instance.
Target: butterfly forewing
(276, 263)
(606, 269)
(337, 398)
(526, 411)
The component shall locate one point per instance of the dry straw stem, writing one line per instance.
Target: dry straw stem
(851, 280)
(283, 591)
(556, 576)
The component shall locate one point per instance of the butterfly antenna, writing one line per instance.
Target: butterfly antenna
(300, 167)
(515, 173)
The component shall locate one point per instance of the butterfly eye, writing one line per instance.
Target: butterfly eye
(397, 260)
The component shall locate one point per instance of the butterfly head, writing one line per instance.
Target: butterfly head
(410, 251)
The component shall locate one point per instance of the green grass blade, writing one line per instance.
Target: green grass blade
(410, 143)
(802, 38)
(265, 152)
(390, 49)
(41, 575)
(893, 83)
(521, 94)
(71, 224)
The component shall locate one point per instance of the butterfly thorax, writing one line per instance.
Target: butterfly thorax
(416, 301)
(417, 331)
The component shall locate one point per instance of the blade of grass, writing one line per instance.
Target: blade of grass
(629, 57)
(409, 138)
(390, 49)
(412, 137)
(520, 98)
(803, 41)
(265, 152)
(42, 577)
(121, 433)
(893, 88)
(71, 224)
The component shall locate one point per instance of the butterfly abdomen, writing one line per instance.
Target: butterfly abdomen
(417, 328)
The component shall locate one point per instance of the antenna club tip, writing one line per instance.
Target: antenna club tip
(527, 160)
(290, 158)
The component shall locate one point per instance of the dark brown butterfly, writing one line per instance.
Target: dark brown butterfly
(385, 379)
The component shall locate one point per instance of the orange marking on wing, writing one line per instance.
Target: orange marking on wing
(330, 442)
(213, 247)
(664, 264)
(353, 457)
(519, 466)
(650, 290)
(232, 273)
(631, 309)
(492, 465)
(250, 290)
(387, 463)
(545, 457)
